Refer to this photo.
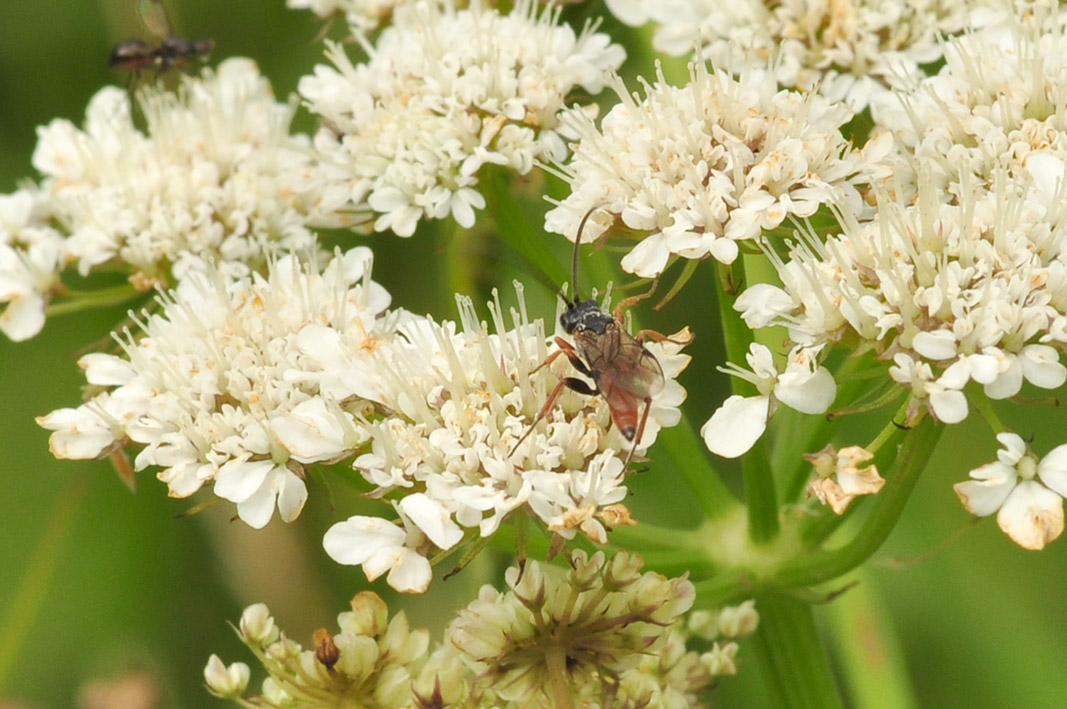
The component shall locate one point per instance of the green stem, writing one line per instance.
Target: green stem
(556, 662)
(89, 300)
(794, 663)
(760, 494)
(884, 447)
(461, 259)
(867, 652)
(683, 445)
(645, 537)
(817, 567)
(985, 407)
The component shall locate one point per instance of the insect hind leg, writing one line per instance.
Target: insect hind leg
(638, 434)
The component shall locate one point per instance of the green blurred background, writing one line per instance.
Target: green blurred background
(99, 586)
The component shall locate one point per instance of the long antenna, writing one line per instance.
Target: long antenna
(577, 242)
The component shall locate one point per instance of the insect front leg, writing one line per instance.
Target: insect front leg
(571, 383)
(687, 337)
(582, 387)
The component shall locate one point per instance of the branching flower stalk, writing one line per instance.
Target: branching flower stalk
(894, 270)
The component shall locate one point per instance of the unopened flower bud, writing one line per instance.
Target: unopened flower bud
(228, 682)
(257, 625)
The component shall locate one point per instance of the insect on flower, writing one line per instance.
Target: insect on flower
(135, 55)
(623, 371)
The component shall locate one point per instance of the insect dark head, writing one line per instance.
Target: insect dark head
(585, 315)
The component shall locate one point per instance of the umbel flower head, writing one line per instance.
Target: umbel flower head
(700, 168)
(950, 293)
(998, 107)
(599, 633)
(229, 372)
(458, 400)
(216, 174)
(371, 662)
(850, 51)
(444, 92)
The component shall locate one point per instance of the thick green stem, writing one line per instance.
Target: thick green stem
(867, 653)
(818, 567)
(760, 495)
(556, 661)
(914, 454)
(793, 661)
(682, 444)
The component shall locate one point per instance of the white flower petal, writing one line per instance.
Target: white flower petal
(238, 480)
(311, 432)
(1032, 515)
(433, 519)
(991, 485)
(1053, 470)
(949, 406)
(411, 573)
(356, 539)
(807, 392)
(1041, 366)
(736, 426)
(937, 345)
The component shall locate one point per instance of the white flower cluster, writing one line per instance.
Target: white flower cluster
(968, 283)
(462, 399)
(851, 51)
(952, 294)
(239, 383)
(222, 383)
(361, 15)
(32, 255)
(216, 173)
(444, 92)
(998, 107)
(702, 167)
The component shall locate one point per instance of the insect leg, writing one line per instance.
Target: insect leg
(571, 383)
(564, 348)
(634, 299)
(660, 337)
(640, 432)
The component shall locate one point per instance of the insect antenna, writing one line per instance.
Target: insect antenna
(574, 259)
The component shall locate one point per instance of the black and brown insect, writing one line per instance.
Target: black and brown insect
(136, 55)
(622, 369)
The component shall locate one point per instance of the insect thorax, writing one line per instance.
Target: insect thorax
(586, 315)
